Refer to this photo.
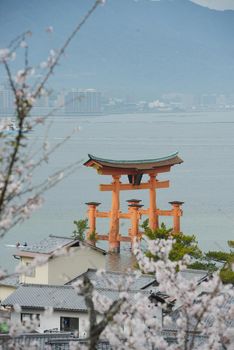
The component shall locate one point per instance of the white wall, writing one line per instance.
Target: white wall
(64, 268)
(5, 291)
(61, 269)
(53, 321)
(41, 273)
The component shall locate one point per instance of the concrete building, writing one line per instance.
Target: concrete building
(6, 100)
(208, 100)
(83, 101)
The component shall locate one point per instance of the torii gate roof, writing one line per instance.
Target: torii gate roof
(108, 166)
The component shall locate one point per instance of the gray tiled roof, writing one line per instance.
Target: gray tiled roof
(207, 320)
(10, 281)
(114, 294)
(198, 275)
(58, 297)
(52, 243)
(40, 296)
(114, 279)
(48, 245)
(143, 282)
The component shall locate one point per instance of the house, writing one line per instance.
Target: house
(147, 283)
(64, 258)
(70, 312)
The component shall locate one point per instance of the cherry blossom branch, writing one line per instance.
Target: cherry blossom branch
(204, 309)
(12, 150)
(96, 328)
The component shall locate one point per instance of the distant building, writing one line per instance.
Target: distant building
(180, 101)
(42, 102)
(208, 100)
(83, 102)
(222, 101)
(6, 100)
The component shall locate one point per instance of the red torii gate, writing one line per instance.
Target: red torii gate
(134, 169)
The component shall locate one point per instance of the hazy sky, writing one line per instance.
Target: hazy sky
(217, 4)
(140, 48)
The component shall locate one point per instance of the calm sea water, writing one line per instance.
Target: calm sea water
(205, 181)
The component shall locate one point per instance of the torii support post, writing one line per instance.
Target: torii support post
(153, 217)
(177, 213)
(135, 217)
(114, 243)
(92, 209)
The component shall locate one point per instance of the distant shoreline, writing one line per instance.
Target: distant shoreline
(71, 115)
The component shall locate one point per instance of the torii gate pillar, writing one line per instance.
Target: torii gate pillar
(177, 213)
(114, 244)
(153, 218)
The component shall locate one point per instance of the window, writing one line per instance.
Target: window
(30, 317)
(69, 324)
(31, 270)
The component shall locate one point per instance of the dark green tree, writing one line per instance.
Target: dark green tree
(93, 237)
(4, 328)
(224, 261)
(80, 227)
(188, 245)
(183, 245)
